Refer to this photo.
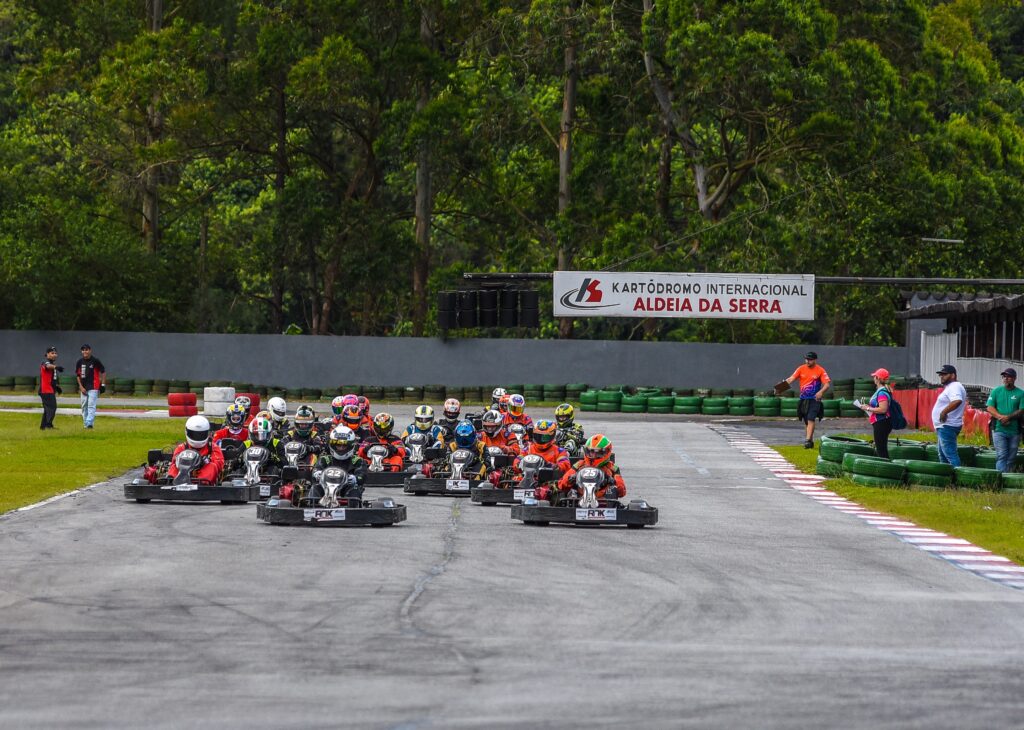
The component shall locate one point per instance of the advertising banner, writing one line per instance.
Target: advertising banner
(695, 296)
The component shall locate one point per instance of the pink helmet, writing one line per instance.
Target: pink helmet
(351, 399)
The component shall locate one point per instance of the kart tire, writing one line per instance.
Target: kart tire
(715, 402)
(876, 468)
(827, 468)
(836, 450)
(916, 479)
(661, 401)
(972, 477)
(714, 410)
(688, 400)
(928, 468)
(870, 481)
(985, 459)
(766, 412)
(608, 407)
(632, 408)
(659, 409)
(850, 456)
(686, 410)
(740, 411)
(915, 453)
(1012, 481)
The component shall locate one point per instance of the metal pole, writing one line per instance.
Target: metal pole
(849, 280)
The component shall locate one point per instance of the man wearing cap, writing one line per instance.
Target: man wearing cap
(48, 388)
(948, 414)
(814, 381)
(92, 380)
(1004, 405)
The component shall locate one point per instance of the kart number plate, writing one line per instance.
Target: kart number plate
(597, 515)
(264, 490)
(457, 485)
(520, 494)
(324, 515)
(183, 487)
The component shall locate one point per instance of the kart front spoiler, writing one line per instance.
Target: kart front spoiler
(611, 515)
(385, 478)
(440, 486)
(142, 491)
(489, 495)
(278, 514)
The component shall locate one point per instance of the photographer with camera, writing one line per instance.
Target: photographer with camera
(48, 388)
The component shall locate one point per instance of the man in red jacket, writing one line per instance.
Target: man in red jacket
(48, 388)
(197, 437)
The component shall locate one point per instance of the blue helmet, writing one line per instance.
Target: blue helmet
(465, 435)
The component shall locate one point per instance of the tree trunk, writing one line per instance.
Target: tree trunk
(280, 214)
(327, 305)
(565, 253)
(154, 131)
(424, 196)
(664, 192)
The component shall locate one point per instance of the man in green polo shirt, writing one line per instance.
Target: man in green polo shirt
(1004, 405)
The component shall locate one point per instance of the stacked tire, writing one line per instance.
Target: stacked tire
(767, 406)
(216, 400)
(714, 405)
(181, 405)
(741, 405)
(972, 477)
(142, 387)
(832, 451)
(928, 475)
(7, 382)
(874, 471)
(554, 393)
(1013, 483)
(161, 387)
(25, 384)
(660, 403)
(788, 407)
(687, 404)
(588, 400)
(609, 401)
(573, 391)
(633, 403)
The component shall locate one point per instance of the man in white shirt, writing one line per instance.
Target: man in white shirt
(948, 414)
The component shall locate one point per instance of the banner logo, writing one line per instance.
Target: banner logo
(574, 298)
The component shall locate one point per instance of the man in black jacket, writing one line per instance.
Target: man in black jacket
(48, 388)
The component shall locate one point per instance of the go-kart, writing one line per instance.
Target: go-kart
(185, 487)
(587, 509)
(254, 470)
(334, 500)
(451, 480)
(417, 457)
(535, 471)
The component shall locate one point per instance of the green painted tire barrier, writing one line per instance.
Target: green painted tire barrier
(686, 410)
(972, 477)
(1012, 482)
(849, 457)
(714, 410)
(985, 459)
(588, 406)
(613, 397)
(660, 401)
(589, 397)
(876, 468)
(907, 452)
(766, 412)
(741, 401)
(631, 408)
(836, 450)
(769, 402)
(688, 401)
(928, 468)
(634, 401)
(869, 481)
(827, 468)
(715, 402)
(741, 410)
(931, 481)
(608, 407)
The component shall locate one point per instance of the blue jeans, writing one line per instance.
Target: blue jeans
(1006, 449)
(89, 406)
(947, 444)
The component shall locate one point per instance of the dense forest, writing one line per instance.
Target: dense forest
(329, 165)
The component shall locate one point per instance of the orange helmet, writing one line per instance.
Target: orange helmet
(351, 417)
(544, 434)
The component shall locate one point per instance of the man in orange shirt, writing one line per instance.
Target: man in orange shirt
(814, 381)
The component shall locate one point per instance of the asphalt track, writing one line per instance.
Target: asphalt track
(749, 605)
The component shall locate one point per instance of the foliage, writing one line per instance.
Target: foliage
(245, 165)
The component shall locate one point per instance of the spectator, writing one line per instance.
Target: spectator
(1004, 405)
(948, 414)
(878, 408)
(814, 381)
(48, 388)
(92, 380)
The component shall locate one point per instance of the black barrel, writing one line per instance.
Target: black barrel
(467, 308)
(488, 307)
(529, 301)
(509, 314)
(529, 318)
(446, 310)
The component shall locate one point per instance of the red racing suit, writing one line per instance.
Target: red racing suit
(611, 473)
(210, 472)
(395, 461)
(499, 440)
(550, 452)
(524, 419)
(241, 435)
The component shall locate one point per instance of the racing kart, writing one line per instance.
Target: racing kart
(418, 455)
(451, 480)
(254, 469)
(185, 487)
(587, 509)
(334, 500)
(535, 471)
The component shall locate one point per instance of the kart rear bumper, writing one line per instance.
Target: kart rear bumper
(347, 517)
(143, 490)
(440, 486)
(604, 516)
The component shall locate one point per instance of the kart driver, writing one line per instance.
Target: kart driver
(304, 429)
(569, 434)
(450, 418)
(234, 425)
(261, 433)
(279, 415)
(496, 395)
(465, 439)
(544, 446)
(197, 437)
(383, 427)
(246, 403)
(337, 406)
(493, 434)
(597, 452)
(517, 413)
(423, 422)
(342, 444)
(353, 419)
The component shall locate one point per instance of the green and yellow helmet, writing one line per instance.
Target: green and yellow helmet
(565, 414)
(597, 450)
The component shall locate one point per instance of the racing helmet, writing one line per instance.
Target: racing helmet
(342, 442)
(197, 431)
(565, 414)
(503, 403)
(597, 450)
(364, 406)
(244, 401)
(350, 399)
(516, 404)
(304, 420)
(337, 405)
(351, 417)
(383, 424)
(490, 422)
(261, 428)
(452, 409)
(544, 433)
(424, 418)
(278, 409)
(465, 435)
(496, 395)
(235, 416)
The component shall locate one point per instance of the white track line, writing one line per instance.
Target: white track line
(954, 550)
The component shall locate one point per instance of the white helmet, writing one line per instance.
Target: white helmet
(452, 408)
(278, 409)
(244, 401)
(496, 395)
(197, 431)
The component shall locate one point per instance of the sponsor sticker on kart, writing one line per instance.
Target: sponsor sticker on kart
(324, 515)
(182, 487)
(456, 485)
(597, 515)
(520, 494)
(264, 490)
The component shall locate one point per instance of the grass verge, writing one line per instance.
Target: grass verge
(990, 520)
(35, 465)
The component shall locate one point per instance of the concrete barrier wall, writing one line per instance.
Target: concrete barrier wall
(316, 362)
